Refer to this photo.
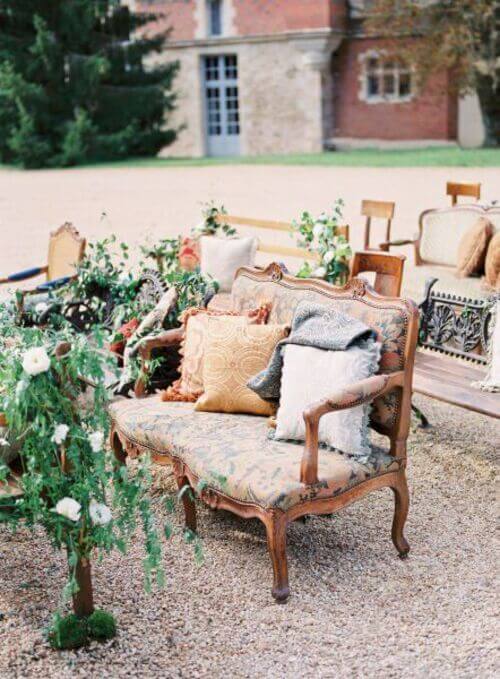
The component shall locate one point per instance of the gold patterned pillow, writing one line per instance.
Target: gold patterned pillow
(233, 354)
(195, 322)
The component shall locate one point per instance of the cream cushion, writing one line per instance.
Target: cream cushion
(310, 375)
(222, 257)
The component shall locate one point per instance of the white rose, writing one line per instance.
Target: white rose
(96, 439)
(100, 513)
(320, 272)
(41, 307)
(36, 361)
(318, 229)
(69, 508)
(328, 257)
(60, 433)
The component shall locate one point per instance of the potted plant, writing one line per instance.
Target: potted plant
(53, 400)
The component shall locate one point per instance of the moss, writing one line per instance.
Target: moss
(68, 632)
(101, 625)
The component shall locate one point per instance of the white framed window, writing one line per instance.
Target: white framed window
(385, 79)
(214, 18)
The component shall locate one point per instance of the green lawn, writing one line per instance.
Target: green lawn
(427, 157)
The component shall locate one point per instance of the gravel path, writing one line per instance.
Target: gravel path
(356, 610)
(152, 203)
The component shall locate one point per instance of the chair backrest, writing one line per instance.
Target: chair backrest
(276, 227)
(394, 320)
(376, 209)
(455, 189)
(388, 269)
(66, 249)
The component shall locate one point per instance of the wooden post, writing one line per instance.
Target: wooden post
(83, 600)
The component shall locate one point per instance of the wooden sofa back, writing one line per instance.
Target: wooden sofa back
(394, 320)
(440, 231)
(276, 227)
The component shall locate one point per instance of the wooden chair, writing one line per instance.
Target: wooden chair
(455, 189)
(66, 249)
(388, 270)
(376, 209)
(284, 227)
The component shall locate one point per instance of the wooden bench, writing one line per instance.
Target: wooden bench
(454, 335)
(276, 227)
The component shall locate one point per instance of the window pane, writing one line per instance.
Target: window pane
(372, 86)
(215, 16)
(404, 84)
(372, 64)
(389, 84)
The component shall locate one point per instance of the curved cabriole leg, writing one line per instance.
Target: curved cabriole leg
(118, 449)
(188, 502)
(400, 513)
(276, 543)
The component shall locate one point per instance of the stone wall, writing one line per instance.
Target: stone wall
(280, 95)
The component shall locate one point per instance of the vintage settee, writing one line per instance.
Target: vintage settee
(436, 247)
(247, 473)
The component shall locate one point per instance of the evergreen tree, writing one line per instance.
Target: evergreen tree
(74, 86)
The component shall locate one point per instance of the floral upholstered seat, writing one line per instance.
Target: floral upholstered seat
(234, 455)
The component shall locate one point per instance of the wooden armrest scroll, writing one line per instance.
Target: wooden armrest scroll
(169, 338)
(348, 397)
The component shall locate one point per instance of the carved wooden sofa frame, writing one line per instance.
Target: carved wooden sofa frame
(395, 380)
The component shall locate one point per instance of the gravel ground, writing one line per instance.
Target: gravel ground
(356, 610)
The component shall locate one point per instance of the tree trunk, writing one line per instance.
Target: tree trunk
(83, 600)
(489, 99)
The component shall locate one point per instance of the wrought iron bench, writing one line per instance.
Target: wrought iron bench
(453, 339)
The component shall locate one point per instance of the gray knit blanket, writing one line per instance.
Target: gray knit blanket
(313, 325)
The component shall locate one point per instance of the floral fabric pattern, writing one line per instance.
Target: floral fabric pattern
(234, 455)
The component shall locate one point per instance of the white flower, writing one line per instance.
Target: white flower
(4, 442)
(69, 508)
(60, 433)
(41, 307)
(328, 257)
(100, 513)
(318, 229)
(36, 361)
(320, 272)
(96, 439)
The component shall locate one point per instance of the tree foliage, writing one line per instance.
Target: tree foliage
(461, 36)
(74, 86)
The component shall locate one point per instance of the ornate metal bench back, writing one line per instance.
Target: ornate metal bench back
(453, 325)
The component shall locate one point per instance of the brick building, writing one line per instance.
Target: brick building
(284, 76)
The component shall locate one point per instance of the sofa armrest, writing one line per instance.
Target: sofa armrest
(356, 394)
(169, 338)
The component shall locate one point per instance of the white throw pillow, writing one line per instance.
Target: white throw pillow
(310, 375)
(222, 257)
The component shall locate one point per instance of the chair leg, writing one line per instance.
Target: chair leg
(189, 503)
(402, 503)
(424, 422)
(276, 544)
